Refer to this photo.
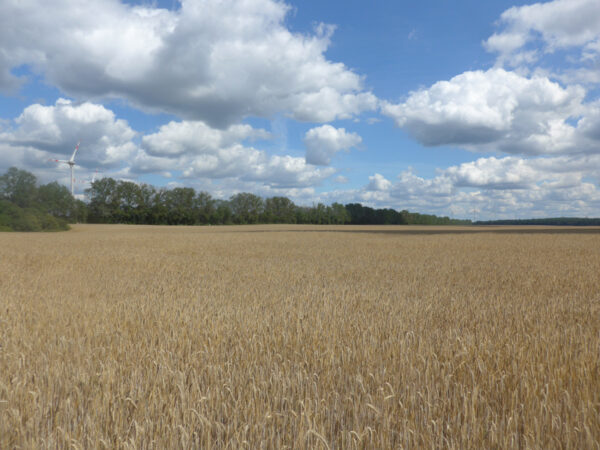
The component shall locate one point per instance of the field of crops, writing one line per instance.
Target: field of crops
(300, 337)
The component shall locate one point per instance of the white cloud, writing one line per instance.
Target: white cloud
(200, 151)
(496, 110)
(378, 183)
(589, 126)
(494, 173)
(323, 142)
(492, 187)
(212, 60)
(42, 131)
(193, 149)
(188, 137)
(559, 24)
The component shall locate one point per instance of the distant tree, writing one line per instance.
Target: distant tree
(159, 211)
(56, 199)
(145, 202)
(15, 218)
(127, 197)
(80, 212)
(204, 208)
(246, 207)
(279, 210)
(302, 214)
(318, 214)
(19, 187)
(557, 221)
(339, 214)
(223, 214)
(126, 202)
(180, 206)
(104, 201)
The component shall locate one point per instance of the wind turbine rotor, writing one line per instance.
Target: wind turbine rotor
(71, 163)
(72, 160)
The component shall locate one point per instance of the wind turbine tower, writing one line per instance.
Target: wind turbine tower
(71, 163)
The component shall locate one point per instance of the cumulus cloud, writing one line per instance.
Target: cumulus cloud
(200, 151)
(194, 137)
(495, 188)
(42, 131)
(323, 142)
(496, 110)
(558, 24)
(494, 173)
(589, 126)
(525, 112)
(192, 149)
(250, 164)
(378, 183)
(212, 60)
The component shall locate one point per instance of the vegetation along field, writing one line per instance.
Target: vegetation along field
(115, 336)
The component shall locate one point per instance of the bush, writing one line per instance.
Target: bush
(14, 218)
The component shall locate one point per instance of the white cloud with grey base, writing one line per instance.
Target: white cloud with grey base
(201, 151)
(558, 24)
(497, 110)
(191, 148)
(53, 131)
(495, 187)
(212, 63)
(323, 142)
(527, 112)
(214, 60)
(195, 137)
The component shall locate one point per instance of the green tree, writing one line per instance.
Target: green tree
(15, 218)
(180, 206)
(222, 214)
(56, 199)
(159, 211)
(246, 207)
(127, 197)
(339, 214)
(318, 214)
(80, 212)
(19, 187)
(279, 210)
(204, 207)
(104, 201)
(144, 201)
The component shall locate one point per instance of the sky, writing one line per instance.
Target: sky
(470, 109)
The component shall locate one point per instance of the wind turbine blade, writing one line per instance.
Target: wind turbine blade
(74, 153)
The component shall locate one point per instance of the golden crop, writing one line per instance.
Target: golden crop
(300, 337)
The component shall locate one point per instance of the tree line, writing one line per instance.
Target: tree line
(25, 206)
(117, 201)
(558, 221)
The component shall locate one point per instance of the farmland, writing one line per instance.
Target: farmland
(300, 337)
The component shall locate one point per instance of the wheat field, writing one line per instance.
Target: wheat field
(300, 337)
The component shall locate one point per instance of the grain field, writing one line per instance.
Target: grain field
(300, 337)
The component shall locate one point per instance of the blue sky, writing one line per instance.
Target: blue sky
(470, 109)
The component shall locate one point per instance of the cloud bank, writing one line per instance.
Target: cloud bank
(213, 60)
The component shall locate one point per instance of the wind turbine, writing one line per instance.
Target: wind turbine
(71, 163)
(94, 176)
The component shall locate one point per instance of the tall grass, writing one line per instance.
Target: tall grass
(281, 337)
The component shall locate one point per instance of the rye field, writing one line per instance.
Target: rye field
(300, 337)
